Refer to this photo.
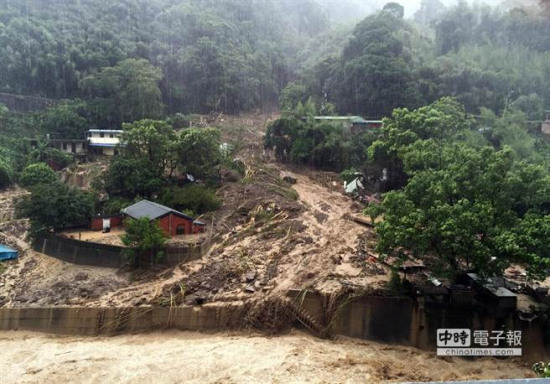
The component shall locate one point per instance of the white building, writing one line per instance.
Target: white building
(104, 141)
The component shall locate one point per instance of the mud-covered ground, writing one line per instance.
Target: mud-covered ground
(269, 236)
(177, 357)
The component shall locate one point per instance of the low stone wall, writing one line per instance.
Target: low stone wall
(109, 256)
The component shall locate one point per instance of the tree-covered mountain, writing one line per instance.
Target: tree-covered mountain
(223, 55)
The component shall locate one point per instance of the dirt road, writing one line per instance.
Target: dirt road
(228, 358)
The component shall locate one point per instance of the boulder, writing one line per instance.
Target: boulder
(288, 177)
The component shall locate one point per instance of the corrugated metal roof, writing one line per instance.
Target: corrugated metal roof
(146, 208)
(354, 119)
(105, 145)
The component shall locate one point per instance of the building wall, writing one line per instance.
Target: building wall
(171, 222)
(198, 228)
(67, 146)
(108, 151)
(546, 128)
(97, 222)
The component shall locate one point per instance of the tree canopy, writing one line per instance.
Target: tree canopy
(472, 205)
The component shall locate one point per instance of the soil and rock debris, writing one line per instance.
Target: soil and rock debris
(274, 232)
(270, 235)
(230, 358)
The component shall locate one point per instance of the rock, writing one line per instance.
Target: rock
(249, 289)
(246, 207)
(81, 276)
(288, 177)
(190, 299)
(257, 284)
(250, 276)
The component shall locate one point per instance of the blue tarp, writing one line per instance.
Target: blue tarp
(7, 253)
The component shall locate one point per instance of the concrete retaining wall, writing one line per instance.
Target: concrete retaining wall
(401, 321)
(80, 252)
(175, 255)
(110, 321)
(109, 256)
(408, 321)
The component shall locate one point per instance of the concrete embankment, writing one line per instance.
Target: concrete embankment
(391, 320)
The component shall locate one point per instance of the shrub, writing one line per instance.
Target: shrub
(38, 173)
(196, 198)
(115, 205)
(55, 206)
(145, 240)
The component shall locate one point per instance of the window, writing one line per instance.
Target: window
(111, 136)
(101, 134)
(65, 146)
(180, 230)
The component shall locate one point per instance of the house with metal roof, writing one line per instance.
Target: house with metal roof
(350, 124)
(104, 141)
(171, 221)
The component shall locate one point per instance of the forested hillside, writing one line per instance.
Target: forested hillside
(482, 56)
(167, 56)
(109, 63)
(225, 55)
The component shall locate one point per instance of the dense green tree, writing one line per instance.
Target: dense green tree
(194, 199)
(408, 138)
(65, 120)
(126, 92)
(394, 9)
(510, 130)
(128, 177)
(291, 95)
(376, 67)
(153, 140)
(37, 173)
(145, 239)
(5, 175)
(55, 206)
(323, 145)
(199, 152)
(461, 202)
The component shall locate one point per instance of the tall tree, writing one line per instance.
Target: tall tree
(126, 92)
